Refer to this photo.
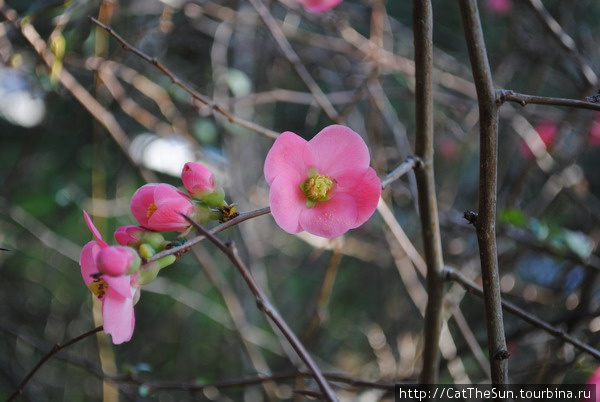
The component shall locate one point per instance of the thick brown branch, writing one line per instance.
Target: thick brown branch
(423, 41)
(488, 165)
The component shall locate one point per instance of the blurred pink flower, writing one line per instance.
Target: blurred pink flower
(159, 207)
(593, 381)
(324, 186)
(499, 6)
(594, 136)
(116, 293)
(318, 6)
(547, 131)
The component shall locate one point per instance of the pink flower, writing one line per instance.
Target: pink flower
(547, 131)
(318, 6)
(324, 186)
(200, 183)
(159, 207)
(499, 6)
(116, 293)
(117, 260)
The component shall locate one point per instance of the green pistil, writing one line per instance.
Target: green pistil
(317, 188)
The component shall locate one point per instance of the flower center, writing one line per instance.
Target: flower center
(98, 287)
(317, 188)
(151, 209)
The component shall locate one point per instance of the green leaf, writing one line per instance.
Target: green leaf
(514, 217)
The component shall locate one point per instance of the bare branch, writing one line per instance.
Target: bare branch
(504, 95)
(477, 290)
(177, 81)
(55, 349)
(488, 165)
(264, 305)
(423, 41)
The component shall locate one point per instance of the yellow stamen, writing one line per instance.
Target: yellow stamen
(98, 287)
(151, 209)
(317, 187)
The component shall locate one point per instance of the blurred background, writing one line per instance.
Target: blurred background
(356, 301)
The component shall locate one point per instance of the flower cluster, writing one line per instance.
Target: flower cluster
(115, 274)
(324, 186)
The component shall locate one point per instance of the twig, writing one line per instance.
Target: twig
(477, 290)
(409, 164)
(195, 94)
(423, 41)
(232, 222)
(55, 349)
(267, 308)
(563, 39)
(103, 116)
(293, 58)
(488, 165)
(504, 95)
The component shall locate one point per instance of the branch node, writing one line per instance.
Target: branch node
(471, 217)
(501, 355)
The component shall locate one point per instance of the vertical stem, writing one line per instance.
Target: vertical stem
(423, 42)
(488, 163)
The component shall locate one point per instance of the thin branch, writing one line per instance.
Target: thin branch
(103, 116)
(477, 290)
(177, 81)
(423, 42)
(267, 308)
(293, 58)
(488, 165)
(409, 164)
(55, 349)
(504, 95)
(563, 39)
(232, 222)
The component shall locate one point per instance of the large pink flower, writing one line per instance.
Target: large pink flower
(324, 186)
(159, 207)
(318, 6)
(116, 293)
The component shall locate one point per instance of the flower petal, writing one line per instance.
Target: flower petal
(287, 201)
(93, 229)
(365, 188)
(336, 149)
(330, 218)
(120, 285)
(317, 6)
(285, 157)
(118, 318)
(87, 261)
(141, 199)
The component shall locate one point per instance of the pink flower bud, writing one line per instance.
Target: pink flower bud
(160, 207)
(200, 183)
(117, 261)
(129, 235)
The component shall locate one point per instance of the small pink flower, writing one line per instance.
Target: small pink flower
(116, 293)
(129, 235)
(324, 186)
(499, 6)
(318, 6)
(200, 183)
(159, 207)
(547, 131)
(197, 179)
